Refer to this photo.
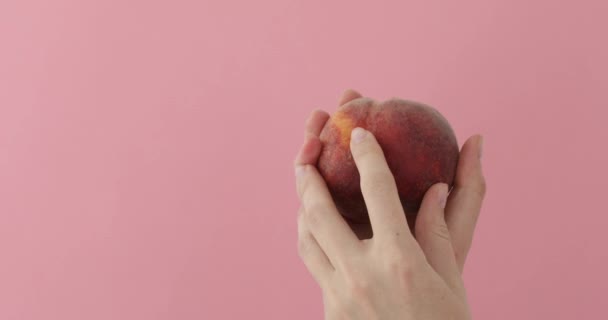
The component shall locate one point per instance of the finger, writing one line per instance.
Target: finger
(322, 218)
(348, 96)
(378, 186)
(309, 152)
(315, 123)
(464, 202)
(434, 238)
(311, 253)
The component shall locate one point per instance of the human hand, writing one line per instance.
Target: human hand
(390, 275)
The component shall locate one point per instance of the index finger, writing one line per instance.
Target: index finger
(310, 150)
(315, 122)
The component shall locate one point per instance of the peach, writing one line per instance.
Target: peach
(418, 143)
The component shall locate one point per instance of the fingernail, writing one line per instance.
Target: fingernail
(443, 195)
(480, 146)
(299, 171)
(358, 135)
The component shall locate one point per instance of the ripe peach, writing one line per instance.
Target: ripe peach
(419, 145)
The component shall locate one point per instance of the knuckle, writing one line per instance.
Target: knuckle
(460, 253)
(395, 260)
(301, 213)
(362, 150)
(401, 266)
(475, 186)
(368, 153)
(440, 230)
(359, 291)
(402, 270)
(406, 277)
(304, 243)
(358, 286)
(476, 189)
(482, 186)
(313, 214)
(304, 188)
(301, 224)
(377, 180)
(479, 187)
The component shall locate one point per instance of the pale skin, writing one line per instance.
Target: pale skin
(393, 274)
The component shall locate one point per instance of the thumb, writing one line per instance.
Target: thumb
(434, 237)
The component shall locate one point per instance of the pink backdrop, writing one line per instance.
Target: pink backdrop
(146, 148)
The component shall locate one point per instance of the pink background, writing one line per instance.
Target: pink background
(146, 148)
